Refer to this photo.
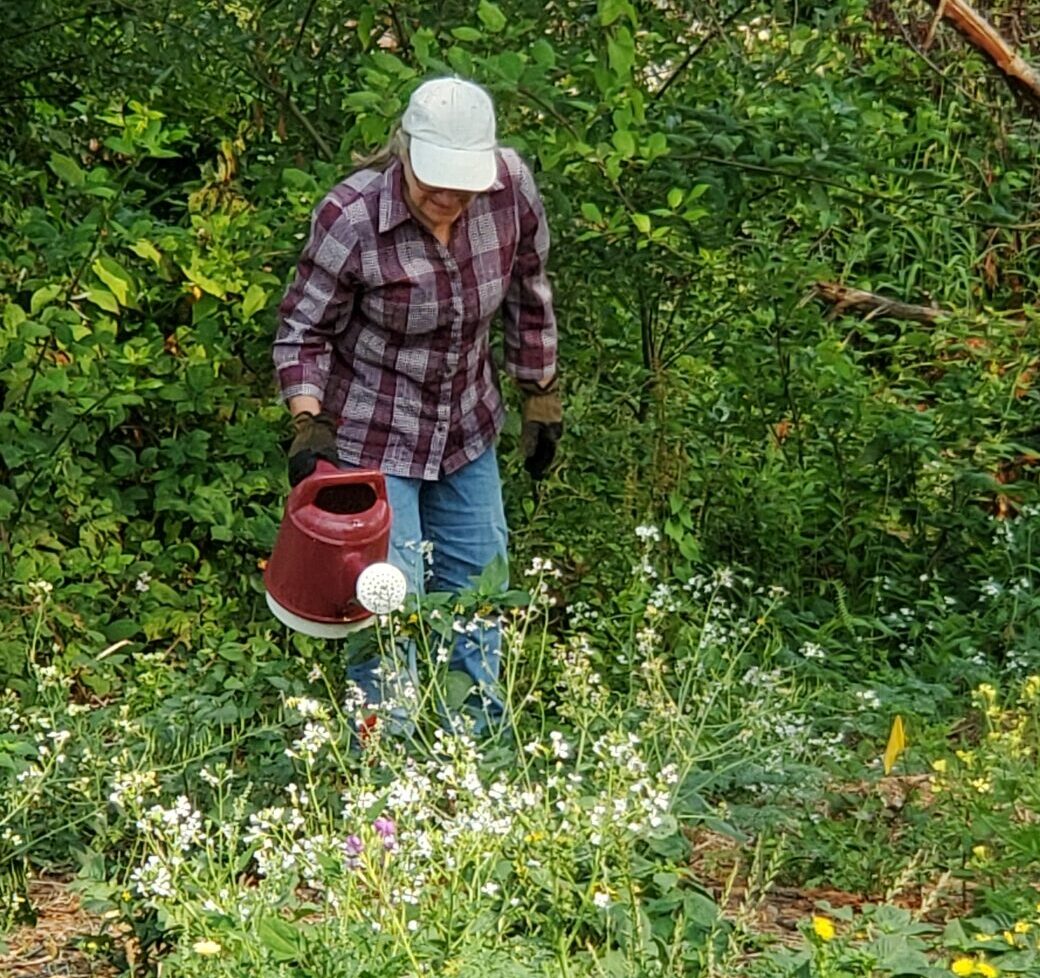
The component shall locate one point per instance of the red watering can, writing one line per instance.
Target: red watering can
(336, 525)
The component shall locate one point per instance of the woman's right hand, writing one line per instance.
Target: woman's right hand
(315, 438)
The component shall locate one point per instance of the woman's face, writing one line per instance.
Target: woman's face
(435, 206)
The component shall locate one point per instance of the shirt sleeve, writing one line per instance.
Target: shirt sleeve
(530, 322)
(318, 303)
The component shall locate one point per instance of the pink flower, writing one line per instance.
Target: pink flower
(354, 845)
(387, 831)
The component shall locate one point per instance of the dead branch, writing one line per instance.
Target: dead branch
(845, 298)
(983, 35)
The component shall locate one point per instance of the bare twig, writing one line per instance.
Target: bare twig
(934, 26)
(700, 46)
(303, 25)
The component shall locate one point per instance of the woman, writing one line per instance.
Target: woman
(382, 351)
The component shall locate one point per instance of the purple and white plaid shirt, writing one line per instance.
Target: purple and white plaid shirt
(389, 328)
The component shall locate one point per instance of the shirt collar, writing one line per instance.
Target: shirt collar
(392, 208)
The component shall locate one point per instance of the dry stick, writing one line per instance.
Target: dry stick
(987, 39)
(934, 26)
(844, 298)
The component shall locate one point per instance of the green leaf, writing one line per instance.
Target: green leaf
(104, 299)
(43, 296)
(612, 10)
(624, 142)
(67, 169)
(509, 65)
(254, 300)
(231, 652)
(466, 34)
(116, 278)
(280, 938)
(223, 715)
(543, 54)
(642, 222)
(657, 144)
(366, 21)
(621, 52)
(666, 881)
(122, 628)
(301, 179)
(457, 687)
(491, 16)
(204, 282)
(14, 315)
(143, 248)
(675, 196)
(591, 213)
(701, 910)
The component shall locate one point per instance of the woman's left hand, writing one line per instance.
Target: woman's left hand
(541, 429)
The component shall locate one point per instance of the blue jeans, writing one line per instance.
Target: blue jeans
(461, 517)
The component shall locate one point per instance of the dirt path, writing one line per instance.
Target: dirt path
(58, 942)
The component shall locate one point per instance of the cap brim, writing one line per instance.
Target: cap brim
(452, 169)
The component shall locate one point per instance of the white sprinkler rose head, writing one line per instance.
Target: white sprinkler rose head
(381, 588)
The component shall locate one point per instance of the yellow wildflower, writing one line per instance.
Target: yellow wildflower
(985, 937)
(1023, 927)
(979, 852)
(963, 966)
(823, 927)
(939, 765)
(1009, 937)
(206, 947)
(986, 691)
(986, 970)
(982, 785)
(1031, 689)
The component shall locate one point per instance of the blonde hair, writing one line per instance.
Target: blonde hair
(395, 148)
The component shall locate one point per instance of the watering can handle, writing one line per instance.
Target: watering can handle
(326, 474)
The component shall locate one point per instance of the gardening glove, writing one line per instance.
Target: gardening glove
(541, 428)
(315, 438)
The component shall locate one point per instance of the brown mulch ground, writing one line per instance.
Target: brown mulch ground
(51, 946)
(723, 865)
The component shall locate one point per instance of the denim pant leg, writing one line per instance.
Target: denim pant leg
(463, 517)
(379, 677)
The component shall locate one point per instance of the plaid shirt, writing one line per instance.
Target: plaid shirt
(389, 328)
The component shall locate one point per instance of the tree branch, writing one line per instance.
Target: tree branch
(984, 36)
(845, 298)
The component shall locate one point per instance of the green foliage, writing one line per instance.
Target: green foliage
(703, 167)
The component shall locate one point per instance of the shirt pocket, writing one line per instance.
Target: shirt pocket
(407, 308)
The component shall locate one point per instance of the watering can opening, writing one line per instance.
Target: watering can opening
(346, 500)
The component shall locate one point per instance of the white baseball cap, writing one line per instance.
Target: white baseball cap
(451, 128)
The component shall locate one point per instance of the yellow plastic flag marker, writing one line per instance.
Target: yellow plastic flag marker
(896, 744)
